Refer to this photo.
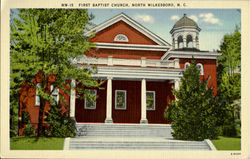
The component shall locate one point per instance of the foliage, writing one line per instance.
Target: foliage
(25, 117)
(60, 125)
(48, 41)
(193, 114)
(29, 130)
(229, 81)
(34, 143)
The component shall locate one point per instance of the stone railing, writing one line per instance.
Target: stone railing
(143, 62)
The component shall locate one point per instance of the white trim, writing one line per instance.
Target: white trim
(125, 99)
(210, 144)
(202, 68)
(130, 22)
(138, 73)
(190, 54)
(121, 38)
(85, 100)
(37, 98)
(154, 108)
(66, 143)
(143, 62)
(132, 46)
(55, 93)
(72, 98)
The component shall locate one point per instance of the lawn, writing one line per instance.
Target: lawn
(33, 143)
(227, 143)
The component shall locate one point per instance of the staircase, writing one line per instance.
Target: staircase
(129, 137)
(124, 130)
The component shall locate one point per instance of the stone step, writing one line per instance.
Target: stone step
(137, 145)
(124, 130)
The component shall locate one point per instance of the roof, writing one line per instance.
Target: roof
(185, 22)
(131, 23)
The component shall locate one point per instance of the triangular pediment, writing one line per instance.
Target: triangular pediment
(123, 29)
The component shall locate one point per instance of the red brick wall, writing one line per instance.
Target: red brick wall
(108, 34)
(27, 102)
(209, 67)
(126, 54)
(133, 112)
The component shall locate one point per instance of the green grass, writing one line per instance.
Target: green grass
(33, 143)
(227, 143)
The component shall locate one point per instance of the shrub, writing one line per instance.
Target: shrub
(60, 124)
(29, 130)
(193, 115)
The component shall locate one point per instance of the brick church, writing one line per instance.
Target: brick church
(139, 68)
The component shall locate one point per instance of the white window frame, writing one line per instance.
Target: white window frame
(201, 70)
(154, 99)
(125, 99)
(186, 64)
(85, 100)
(37, 98)
(55, 93)
(121, 40)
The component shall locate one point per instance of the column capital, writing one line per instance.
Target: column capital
(109, 77)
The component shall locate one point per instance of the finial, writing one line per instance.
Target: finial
(185, 14)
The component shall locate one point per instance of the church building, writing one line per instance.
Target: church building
(140, 70)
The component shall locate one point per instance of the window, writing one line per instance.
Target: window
(37, 100)
(120, 99)
(200, 67)
(187, 64)
(150, 100)
(121, 38)
(90, 101)
(55, 93)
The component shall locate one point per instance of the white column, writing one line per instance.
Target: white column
(109, 101)
(194, 43)
(177, 84)
(176, 44)
(184, 42)
(72, 99)
(143, 103)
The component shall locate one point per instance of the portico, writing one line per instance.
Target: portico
(142, 77)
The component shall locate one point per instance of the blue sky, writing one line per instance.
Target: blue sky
(214, 23)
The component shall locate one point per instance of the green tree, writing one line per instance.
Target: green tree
(229, 80)
(193, 114)
(47, 41)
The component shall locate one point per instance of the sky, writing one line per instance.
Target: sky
(214, 23)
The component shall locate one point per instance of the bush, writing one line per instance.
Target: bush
(29, 130)
(60, 124)
(193, 115)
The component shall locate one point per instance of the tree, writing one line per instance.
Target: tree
(44, 42)
(229, 80)
(193, 114)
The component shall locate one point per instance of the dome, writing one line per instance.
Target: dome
(185, 21)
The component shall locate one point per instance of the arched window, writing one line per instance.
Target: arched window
(180, 42)
(121, 38)
(200, 67)
(190, 41)
(187, 64)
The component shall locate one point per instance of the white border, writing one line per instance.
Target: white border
(86, 100)
(125, 99)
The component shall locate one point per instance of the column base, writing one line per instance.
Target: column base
(143, 121)
(110, 121)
